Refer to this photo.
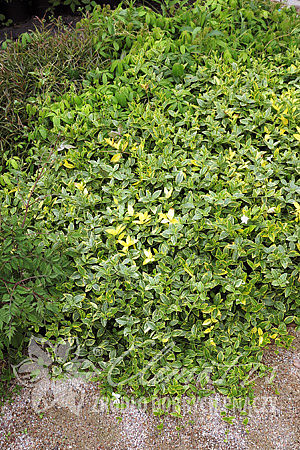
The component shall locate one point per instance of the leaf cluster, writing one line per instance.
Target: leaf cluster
(172, 194)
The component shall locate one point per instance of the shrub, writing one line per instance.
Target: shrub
(31, 265)
(173, 195)
(45, 63)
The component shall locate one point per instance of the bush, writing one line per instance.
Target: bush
(31, 266)
(172, 193)
(40, 64)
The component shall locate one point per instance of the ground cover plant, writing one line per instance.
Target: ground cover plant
(150, 203)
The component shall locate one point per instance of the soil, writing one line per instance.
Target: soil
(72, 415)
(13, 32)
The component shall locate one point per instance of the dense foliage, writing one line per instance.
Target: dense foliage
(149, 208)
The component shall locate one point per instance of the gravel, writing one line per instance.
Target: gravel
(70, 414)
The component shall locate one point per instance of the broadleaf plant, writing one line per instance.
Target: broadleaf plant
(174, 196)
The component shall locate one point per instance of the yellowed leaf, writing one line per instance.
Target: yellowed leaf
(206, 322)
(112, 143)
(208, 330)
(116, 158)
(68, 165)
(115, 231)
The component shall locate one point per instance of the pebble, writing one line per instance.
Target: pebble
(273, 420)
(297, 363)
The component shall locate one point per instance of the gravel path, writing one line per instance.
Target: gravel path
(74, 418)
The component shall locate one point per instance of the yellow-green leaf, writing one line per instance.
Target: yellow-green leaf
(207, 322)
(116, 158)
(115, 231)
(68, 165)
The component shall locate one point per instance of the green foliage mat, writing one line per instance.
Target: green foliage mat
(162, 213)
